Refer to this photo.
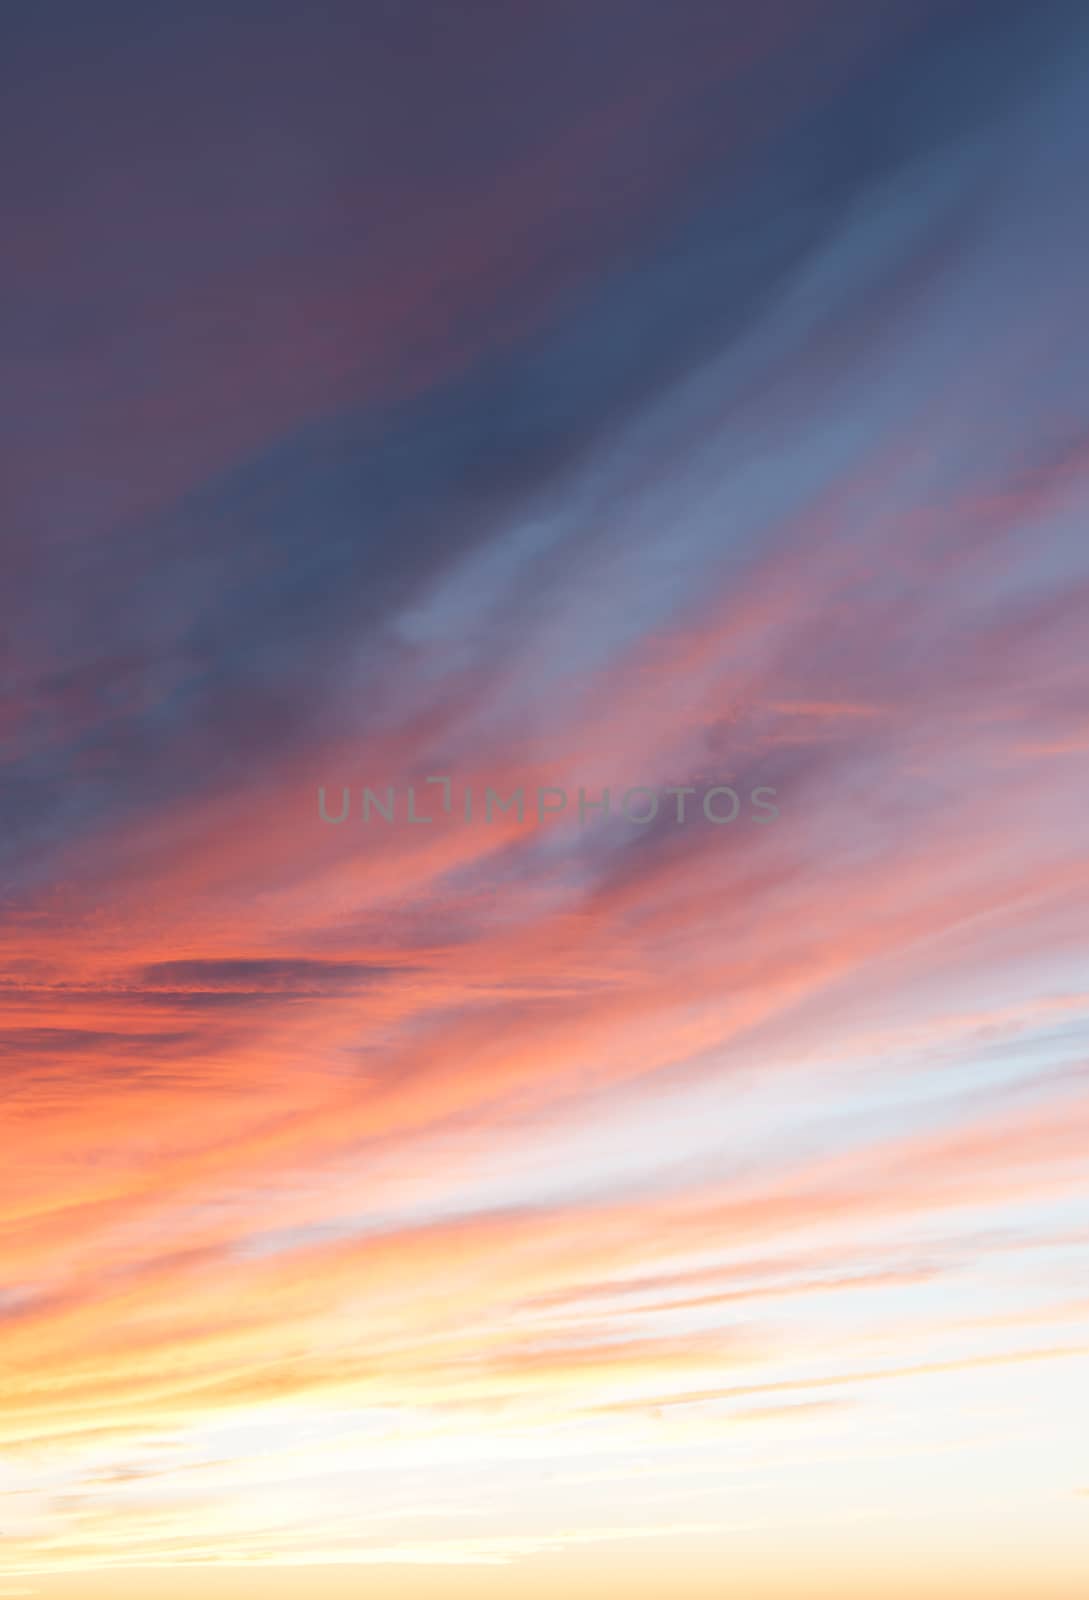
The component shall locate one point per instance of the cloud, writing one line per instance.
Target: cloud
(642, 396)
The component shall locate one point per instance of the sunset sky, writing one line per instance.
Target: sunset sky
(559, 396)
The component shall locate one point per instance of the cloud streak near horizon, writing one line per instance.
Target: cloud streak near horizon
(591, 396)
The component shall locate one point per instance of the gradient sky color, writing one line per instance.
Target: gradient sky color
(581, 393)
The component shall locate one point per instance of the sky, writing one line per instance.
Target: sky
(421, 1180)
